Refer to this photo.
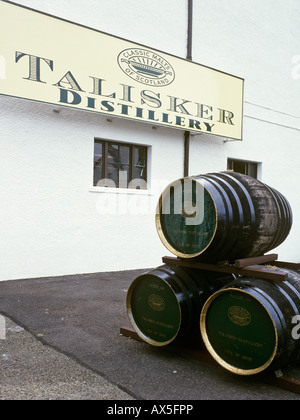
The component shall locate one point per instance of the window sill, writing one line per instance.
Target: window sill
(132, 191)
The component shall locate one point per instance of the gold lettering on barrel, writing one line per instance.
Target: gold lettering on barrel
(160, 323)
(240, 340)
(239, 316)
(156, 302)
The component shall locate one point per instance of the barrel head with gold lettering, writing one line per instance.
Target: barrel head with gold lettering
(239, 332)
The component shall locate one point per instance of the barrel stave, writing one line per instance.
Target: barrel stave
(277, 301)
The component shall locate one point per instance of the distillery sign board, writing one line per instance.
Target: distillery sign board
(47, 59)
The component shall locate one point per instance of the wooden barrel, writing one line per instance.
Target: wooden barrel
(222, 216)
(164, 304)
(248, 325)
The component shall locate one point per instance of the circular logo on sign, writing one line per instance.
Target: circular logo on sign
(239, 316)
(146, 66)
(156, 302)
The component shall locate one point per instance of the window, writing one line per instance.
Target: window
(243, 166)
(120, 165)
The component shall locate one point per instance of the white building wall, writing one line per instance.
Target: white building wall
(54, 222)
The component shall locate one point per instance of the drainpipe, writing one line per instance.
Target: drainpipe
(187, 135)
(190, 30)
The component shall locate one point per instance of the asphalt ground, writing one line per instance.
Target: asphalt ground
(62, 341)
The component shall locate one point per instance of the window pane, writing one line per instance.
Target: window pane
(252, 169)
(139, 162)
(113, 153)
(98, 149)
(230, 164)
(113, 173)
(97, 172)
(98, 157)
(123, 176)
(124, 154)
(98, 160)
(139, 156)
(139, 173)
(239, 166)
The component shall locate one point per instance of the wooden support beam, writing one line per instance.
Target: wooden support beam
(283, 382)
(249, 271)
(289, 265)
(255, 260)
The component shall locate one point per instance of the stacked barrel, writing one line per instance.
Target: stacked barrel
(245, 323)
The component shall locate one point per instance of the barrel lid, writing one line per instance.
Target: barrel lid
(239, 332)
(153, 310)
(186, 218)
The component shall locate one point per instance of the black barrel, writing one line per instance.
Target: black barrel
(164, 304)
(249, 325)
(222, 216)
